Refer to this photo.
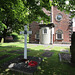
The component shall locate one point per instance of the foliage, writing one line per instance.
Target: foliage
(14, 14)
(18, 37)
(66, 5)
(35, 10)
(2, 26)
(15, 36)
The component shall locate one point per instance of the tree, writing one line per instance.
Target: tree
(35, 10)
(2, 26)
(72, 50)
(14, 14)
(67, 5)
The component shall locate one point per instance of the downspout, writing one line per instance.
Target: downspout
(52, 31)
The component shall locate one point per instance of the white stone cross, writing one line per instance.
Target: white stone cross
(25, 45)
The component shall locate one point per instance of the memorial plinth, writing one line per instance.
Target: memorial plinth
(26, 68)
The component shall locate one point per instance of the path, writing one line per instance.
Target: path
(66, 45)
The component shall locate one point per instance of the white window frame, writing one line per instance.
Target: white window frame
(43, 31)
(61, 36)
(36, 36)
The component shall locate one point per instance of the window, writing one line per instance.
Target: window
(59, 17)
(45, 30)
(37, 35)
(59, 34)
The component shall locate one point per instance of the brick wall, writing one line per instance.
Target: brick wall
(34, 27)
(64, 25)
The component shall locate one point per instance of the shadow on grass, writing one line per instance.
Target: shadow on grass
(49, 66)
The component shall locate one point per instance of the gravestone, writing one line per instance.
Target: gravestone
(72, 48)
(47, 54)
(64, 57)
(25, 45)
(29, 64)
(20, 66)
(4, 56)
(12, 51)
(63, 50)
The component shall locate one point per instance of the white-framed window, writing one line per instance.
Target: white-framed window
(37, 35)
(59, 35)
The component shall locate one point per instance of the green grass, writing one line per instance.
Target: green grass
(49, 66)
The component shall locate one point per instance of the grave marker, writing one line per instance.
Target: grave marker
(25, 32)
(72, 48)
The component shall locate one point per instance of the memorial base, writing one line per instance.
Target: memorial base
(23, 65)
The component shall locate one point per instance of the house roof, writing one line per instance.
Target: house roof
(47, 25)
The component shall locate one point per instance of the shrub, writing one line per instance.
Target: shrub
(15, 36)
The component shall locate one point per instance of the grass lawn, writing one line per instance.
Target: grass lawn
(50, 65)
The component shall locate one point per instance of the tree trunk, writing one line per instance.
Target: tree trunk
(4, 34)
(5, 30)
(72, 48)
(2, 40)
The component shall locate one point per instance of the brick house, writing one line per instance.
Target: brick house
(61, 33)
